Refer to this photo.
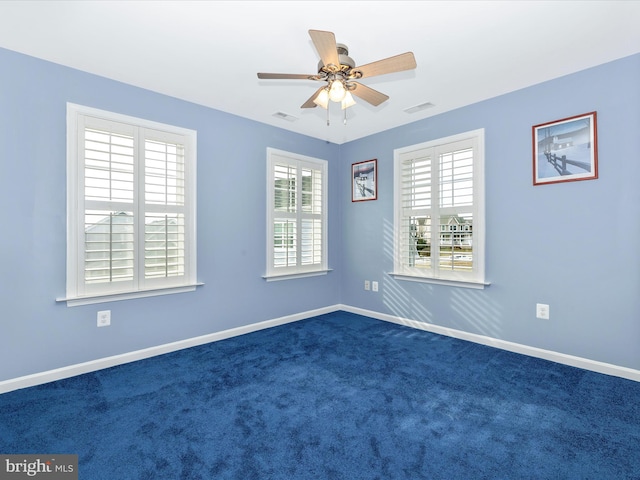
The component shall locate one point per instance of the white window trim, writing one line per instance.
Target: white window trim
(475, 279)
(300, 271)
(290, 276)
(114, 297)
(74, 203)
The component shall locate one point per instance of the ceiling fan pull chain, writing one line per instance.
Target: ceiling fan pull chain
(345, 116)
(327, 115)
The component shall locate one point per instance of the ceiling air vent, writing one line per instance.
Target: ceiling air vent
(417, 108)
(285, 116)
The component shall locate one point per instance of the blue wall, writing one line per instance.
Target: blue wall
(570, 245)
(38, 334)
(574, 246)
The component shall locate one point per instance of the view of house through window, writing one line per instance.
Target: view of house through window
(455, 240)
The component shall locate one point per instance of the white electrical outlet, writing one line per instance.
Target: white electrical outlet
(367, 285)
(542, 311)
(374, 286)
(104, 318)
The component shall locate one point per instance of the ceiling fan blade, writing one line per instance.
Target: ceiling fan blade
(369, 95)
(398, 63)
(285, 76)
(325, 43)
(309, 103)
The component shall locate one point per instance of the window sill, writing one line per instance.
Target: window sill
(114, 297)
(478, 285)
(289, 276)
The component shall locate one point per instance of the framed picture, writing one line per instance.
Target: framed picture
(364, 181)
(565, 150)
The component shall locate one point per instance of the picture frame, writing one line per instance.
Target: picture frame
(364, 181)
(565, 150)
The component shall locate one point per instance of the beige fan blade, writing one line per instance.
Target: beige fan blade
(309, 103)
(398, 63)
(325, 43)
(285, 76)
(369, 95)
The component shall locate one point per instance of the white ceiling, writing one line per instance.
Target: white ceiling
(208, 52)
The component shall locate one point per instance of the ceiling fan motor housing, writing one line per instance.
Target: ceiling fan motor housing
(346, 62)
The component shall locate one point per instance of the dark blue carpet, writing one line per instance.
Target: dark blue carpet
(339, 396)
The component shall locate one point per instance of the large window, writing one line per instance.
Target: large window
(296, 215)
(131, 206)
(439, 210)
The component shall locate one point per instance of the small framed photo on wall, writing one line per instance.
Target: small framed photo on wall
(364, 181)
(565, 150)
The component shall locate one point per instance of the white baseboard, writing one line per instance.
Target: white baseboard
(584, 363)
(101, 363)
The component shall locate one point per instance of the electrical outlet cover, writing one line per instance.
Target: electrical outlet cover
(104, 318)
(542, 311)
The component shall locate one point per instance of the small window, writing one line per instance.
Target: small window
(131, 205)
(439, 210)
(296, 215)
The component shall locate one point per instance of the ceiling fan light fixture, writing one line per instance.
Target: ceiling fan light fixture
(348, 101)
(337, 91)
(322, 99)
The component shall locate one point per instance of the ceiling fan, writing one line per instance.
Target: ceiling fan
(340, 74)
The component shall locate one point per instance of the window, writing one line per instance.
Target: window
(439, 211)
(131, 207)
(296, 215)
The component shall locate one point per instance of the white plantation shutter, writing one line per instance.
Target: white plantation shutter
(164, 198)
(456, 176)
(439, 209)
(285, 236)
(311, 234)
(131, 211)
(456, 252)
(296, 214)
(108, 204)
(416, 192)
(108, 246)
